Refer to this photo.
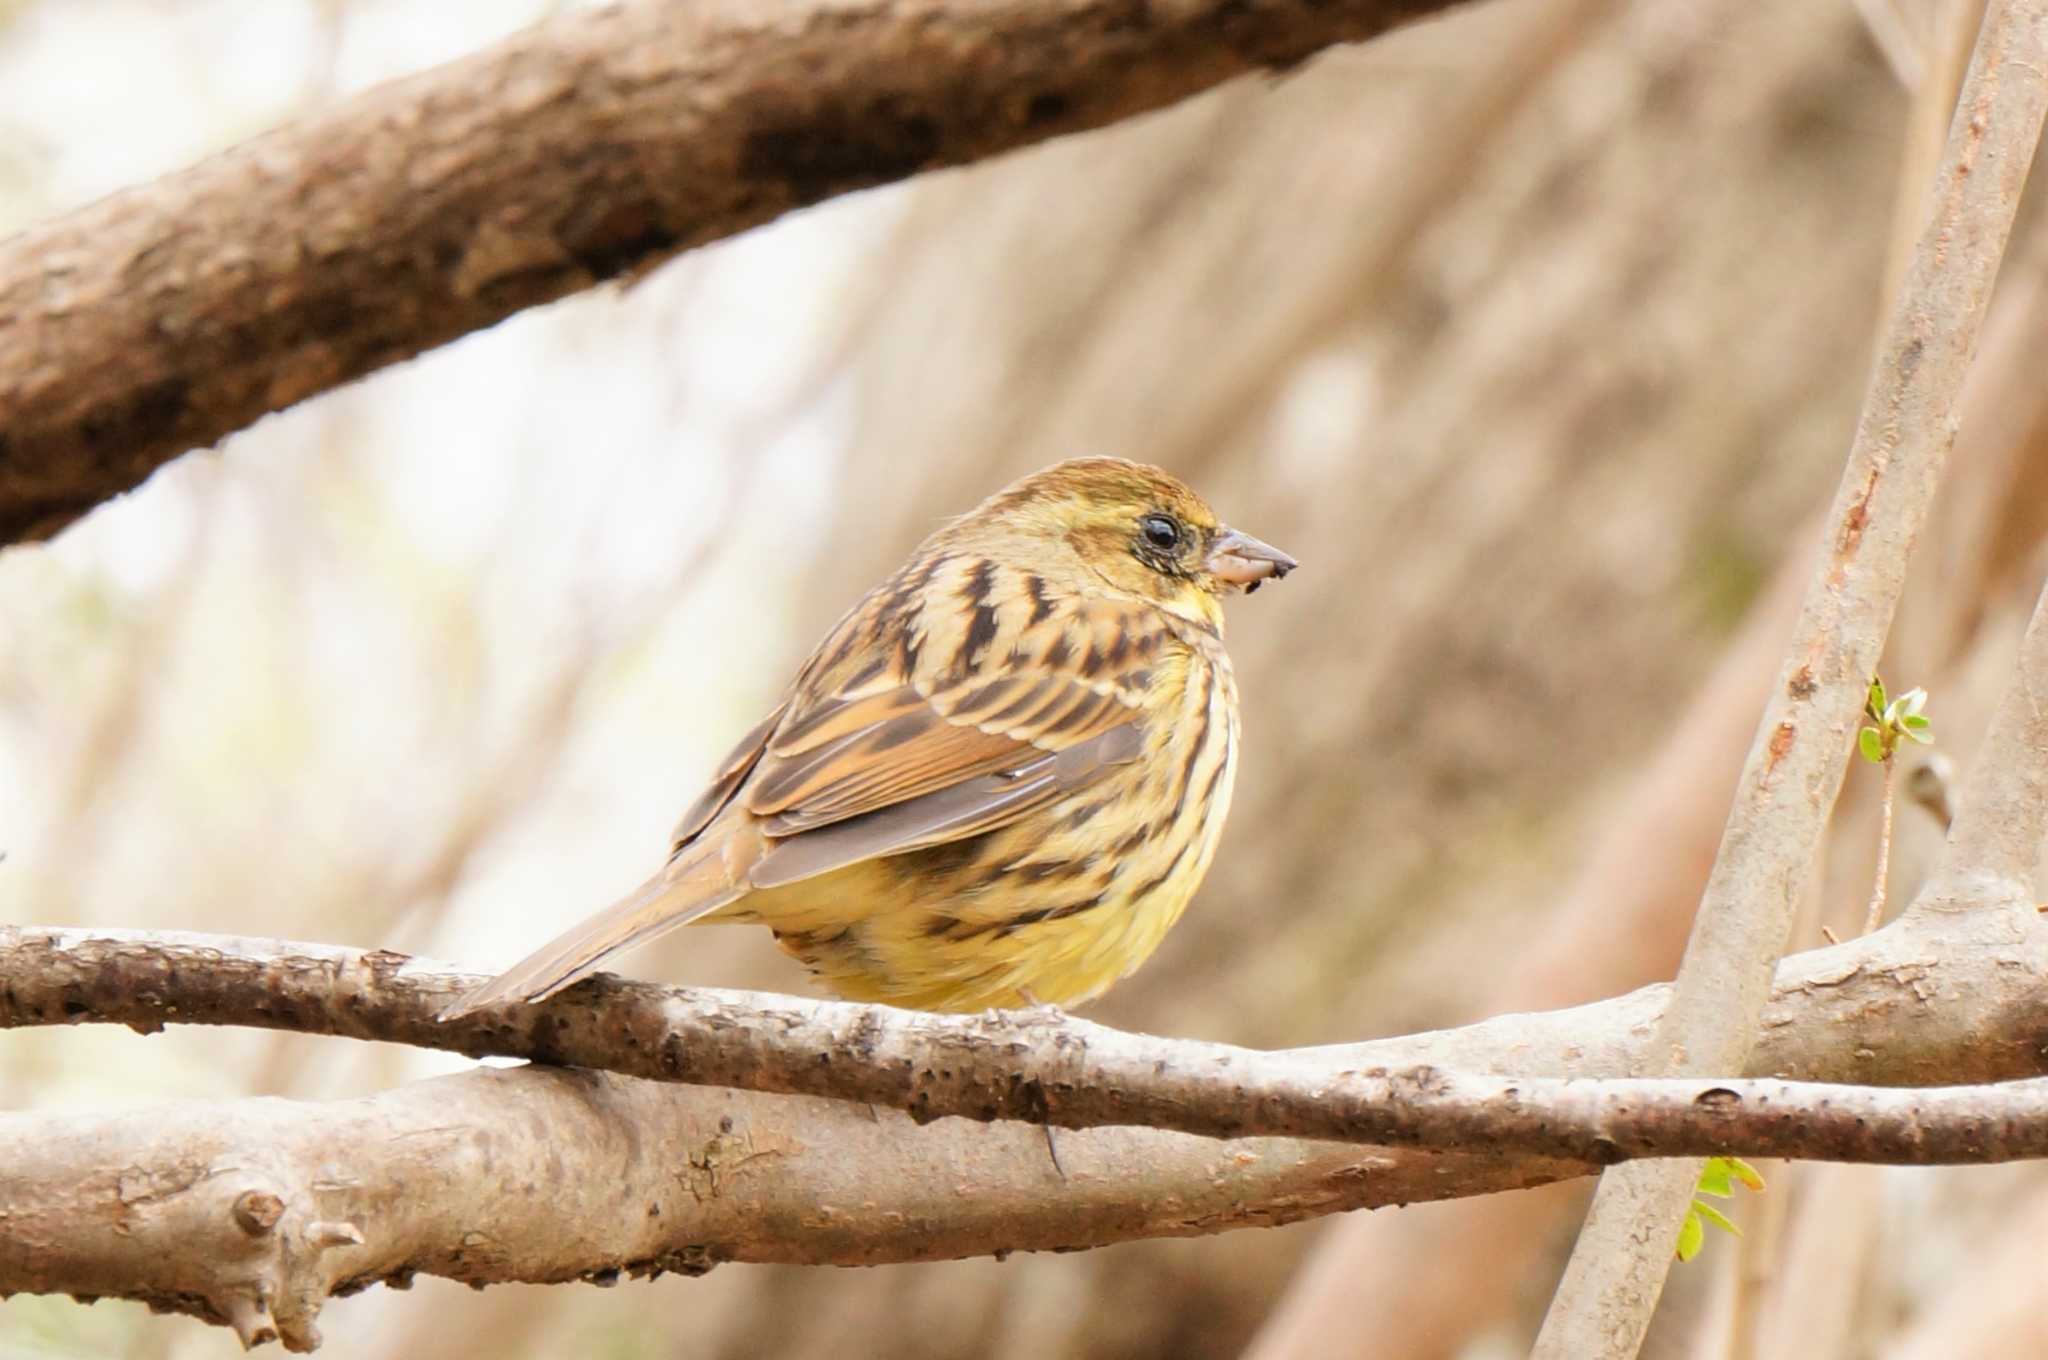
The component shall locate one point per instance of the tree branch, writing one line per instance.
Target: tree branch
(2001, 820)
(1987, 970)
(544, 1174)
(586, 148)
(1788, 787)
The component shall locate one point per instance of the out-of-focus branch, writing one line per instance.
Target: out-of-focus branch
(1903, 50)
(588, 147)
(1994, 842)
(1906, 428)
(1215, 415)
(1989, 1310)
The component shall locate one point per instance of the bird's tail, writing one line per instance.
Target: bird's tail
(690, 887)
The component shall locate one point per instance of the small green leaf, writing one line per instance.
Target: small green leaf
(1691, 1235)
(1915, 721)
(1717, 1178)
(1715, 1217)
(1871, 744)
(1876, 698)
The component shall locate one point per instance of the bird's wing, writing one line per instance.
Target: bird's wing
(732, 772)
(849, 758)
(965, 807)
(950, 736)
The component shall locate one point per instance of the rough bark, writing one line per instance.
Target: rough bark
(586, 148)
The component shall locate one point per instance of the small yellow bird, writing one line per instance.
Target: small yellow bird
(998, 780)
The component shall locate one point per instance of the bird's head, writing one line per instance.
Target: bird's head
(1133, 528)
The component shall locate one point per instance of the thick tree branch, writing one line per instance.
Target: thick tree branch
(164, 1204)
(247, 1212)
(1904, 434)
(588, 147)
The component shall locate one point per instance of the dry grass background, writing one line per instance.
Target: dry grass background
(1536, 333)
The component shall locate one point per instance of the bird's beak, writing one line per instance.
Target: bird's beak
(1241, 560)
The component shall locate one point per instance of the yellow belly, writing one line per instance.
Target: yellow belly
(1052, 909)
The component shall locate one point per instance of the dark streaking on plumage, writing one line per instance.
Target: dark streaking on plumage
(1000, 777)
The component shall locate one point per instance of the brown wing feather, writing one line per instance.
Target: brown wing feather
(962, 809)
(732, 772)
(951, 736)
(922, 745)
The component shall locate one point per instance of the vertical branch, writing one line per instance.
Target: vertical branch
(1794, 770)
(2002, 816)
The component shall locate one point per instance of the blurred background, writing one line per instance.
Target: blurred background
(1537, 334)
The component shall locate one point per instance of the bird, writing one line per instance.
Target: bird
(997, 781)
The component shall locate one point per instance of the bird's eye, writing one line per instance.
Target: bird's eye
(1161, 531)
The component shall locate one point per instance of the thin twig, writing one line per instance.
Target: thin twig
(1874, 916)
(1904, 50)
(1056, 1069)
